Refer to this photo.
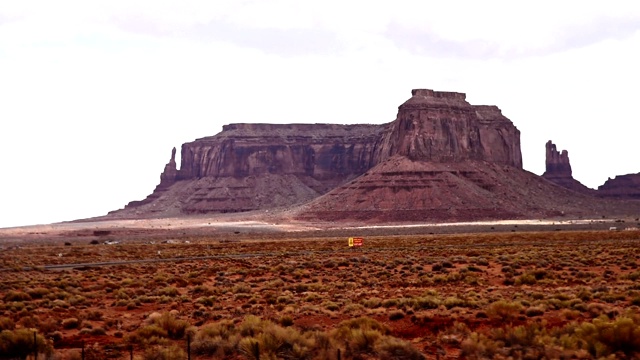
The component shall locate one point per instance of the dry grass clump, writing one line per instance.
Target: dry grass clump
(599, 338)
(172, 352)
(17, 344)
(160, 327)
(504, 310)
(256, 338)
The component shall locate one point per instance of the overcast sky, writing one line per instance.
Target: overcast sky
(94, 94)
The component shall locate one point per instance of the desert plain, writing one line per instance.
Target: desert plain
(220, 288)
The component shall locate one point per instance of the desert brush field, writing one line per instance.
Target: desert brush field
(507, 295)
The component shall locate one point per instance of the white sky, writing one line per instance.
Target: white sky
(94, 94)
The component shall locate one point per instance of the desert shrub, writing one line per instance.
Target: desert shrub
(367, 336)
(273, 341)
(520, 335)
(603, 337)
(99, 331)
(29, 322)
(169, 291)
(206, 300)
(250, 348)
(534, 311)
(48, 325)
(372, 303)
(19, 343)
(526, 279)
(6, 323)
(330, 305)
(633, 276)
(396, 315)
(94, 315)
(252, 325)
(504, 310)
(600, 338)
(38, 293)
(540, 274)
(353, 309)
(163, 353)
(285, 299)
(447, 264)
(241, 289)
(71, 323)
(13, 295)
(454, 301)
(216, 339)
(360, 334)
(286, 320)
(478, 346)
(285, 343)
(175, 328)
(147, 334)
(389, 348)
(312, 297)
(387, 303)
(427, 302)
(205, 290)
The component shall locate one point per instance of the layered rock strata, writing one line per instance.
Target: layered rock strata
(441, 159)
(261, 166)
(443, 127)
(621, 187)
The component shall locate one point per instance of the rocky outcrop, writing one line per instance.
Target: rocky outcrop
(405, 190)
(621, 187)
(442, 159)
(261, 166)
(443, 127)
(557, 163)
(322, 156)
(167, 179)
(558, 170)
(170, 173)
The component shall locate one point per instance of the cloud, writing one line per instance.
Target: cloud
(288, 42)
(544, 41)
(270, 40)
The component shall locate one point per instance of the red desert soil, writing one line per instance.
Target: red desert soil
(431, 286)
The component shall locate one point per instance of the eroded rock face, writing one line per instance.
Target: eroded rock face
(170, 173)
(167, 179)
(558, 170)
(443, 127)
(430, 162)
(261, 166)
(557, 163)
(621, 187)
(321, 155)
(404, 190)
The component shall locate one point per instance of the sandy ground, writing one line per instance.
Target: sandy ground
(254, 224)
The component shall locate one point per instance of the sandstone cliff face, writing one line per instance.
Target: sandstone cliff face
(321, 155)
(444, 127)
(621, 187)
(442, 159)
(558, 170)
(499, 138)
(261, 166)
(557, 163)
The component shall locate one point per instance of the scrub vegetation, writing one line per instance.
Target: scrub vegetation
(513, 295)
